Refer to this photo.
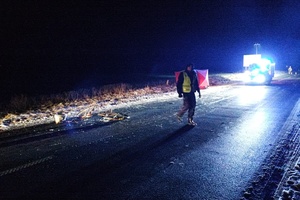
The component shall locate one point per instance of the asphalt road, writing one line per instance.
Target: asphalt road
(151, 155)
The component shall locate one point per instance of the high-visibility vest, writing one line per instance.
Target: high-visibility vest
(186, 86)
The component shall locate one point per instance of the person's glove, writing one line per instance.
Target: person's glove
(180, 95)
(199, 95)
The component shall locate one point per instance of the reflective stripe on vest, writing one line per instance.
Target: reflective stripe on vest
(186, 86)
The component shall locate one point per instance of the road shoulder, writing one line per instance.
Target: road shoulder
(289, 187)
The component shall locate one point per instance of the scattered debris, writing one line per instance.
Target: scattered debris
(112, 116)
(58, 118)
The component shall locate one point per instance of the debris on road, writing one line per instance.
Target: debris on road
(112, 116)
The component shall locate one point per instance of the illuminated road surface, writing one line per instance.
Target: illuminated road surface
(151, 155)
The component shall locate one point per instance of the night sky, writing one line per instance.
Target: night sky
(50, 46)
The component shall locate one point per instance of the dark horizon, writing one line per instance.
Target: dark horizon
(48, 45)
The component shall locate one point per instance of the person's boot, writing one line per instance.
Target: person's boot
(191, 122)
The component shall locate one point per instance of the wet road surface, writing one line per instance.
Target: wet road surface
(151, 155)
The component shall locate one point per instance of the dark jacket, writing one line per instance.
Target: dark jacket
(194, 82)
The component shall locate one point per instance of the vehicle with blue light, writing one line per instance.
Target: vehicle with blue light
(258, 69)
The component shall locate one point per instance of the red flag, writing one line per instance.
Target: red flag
(202, 76)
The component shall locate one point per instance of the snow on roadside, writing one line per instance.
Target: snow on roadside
(80, 109)
(45, 115)
(289, 187)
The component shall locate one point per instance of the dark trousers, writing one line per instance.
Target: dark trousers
(189, 104)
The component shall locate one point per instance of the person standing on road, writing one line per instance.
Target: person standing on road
(290, 70)
(187, 85)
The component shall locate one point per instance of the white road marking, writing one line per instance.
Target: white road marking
(21, 167)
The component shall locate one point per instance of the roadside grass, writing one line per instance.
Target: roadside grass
(24, 103)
